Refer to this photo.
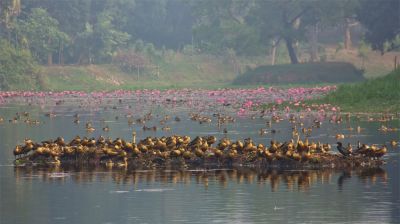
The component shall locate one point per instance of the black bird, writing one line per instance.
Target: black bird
(342, 150)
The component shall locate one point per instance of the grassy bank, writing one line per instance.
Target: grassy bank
(179, 70)
(176, 72)
(323, 72)
(200, 72)
(375, 95)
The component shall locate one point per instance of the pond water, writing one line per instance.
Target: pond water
(245, 195)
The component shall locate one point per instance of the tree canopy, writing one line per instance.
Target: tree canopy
(382, 20)
(93, 31)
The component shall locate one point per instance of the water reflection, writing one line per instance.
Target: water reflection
(291, 180)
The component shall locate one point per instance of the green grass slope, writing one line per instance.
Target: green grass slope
(323, 72)
(375, 95)
(177, 72)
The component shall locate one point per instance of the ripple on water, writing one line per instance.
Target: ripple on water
(154, 190)
(118, 192)
(59, 175)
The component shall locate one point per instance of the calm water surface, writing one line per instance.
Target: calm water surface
(100, 195)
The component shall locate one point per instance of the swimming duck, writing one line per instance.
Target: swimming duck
(339, 136)
(166, 128)
(263, 131)
(50, 115)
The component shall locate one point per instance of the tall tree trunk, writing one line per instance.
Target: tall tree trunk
(314, 43)
(347, 35)
(292, 53)
(49, 58)
(61, 54)
(49, 54)
(273, 52)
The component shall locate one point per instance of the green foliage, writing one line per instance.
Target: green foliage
(17, 67)
(382, 20)
(381, 94)
(363, 49)
(42, 33)
(339, 47)
(107, 39)
(9, 9)
(221, 25)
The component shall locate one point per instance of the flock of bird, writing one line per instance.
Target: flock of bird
(152, 150)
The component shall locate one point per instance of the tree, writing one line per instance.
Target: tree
(101, 40)
(15, 65)
(282, 20)
(382, 20)
(344, 12)
(221, 26)
(42, 34)
(9, 9)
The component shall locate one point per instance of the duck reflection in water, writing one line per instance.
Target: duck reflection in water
(276, 179)
(346, 174)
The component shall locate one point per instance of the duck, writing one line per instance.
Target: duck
(274, 147)
(263, 131)
(378, 153)
(60, 141)
(339, 136)
(134, 138)
(211, 140)
(106, 128)
(187, 155)
(50, 114)
(317, 123)
(17, 151)
(14, 120)
(123, 163)
(166, 128)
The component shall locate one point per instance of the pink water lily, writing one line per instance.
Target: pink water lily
(242, 101)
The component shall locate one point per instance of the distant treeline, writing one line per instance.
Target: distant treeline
(94, 31)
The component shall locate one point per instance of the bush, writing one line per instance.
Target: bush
(321, 72)
(130, 60)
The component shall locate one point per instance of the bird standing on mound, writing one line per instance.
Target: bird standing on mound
(345, 152)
